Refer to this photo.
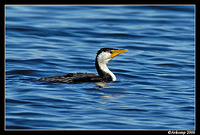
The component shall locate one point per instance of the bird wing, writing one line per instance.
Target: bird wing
(73, 78)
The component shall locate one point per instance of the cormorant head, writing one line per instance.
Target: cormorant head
(104, 55)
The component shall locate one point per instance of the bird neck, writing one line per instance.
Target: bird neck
(103, 71)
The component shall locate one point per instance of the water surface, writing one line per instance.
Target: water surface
(155, 87)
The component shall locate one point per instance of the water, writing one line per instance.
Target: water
(155, 87)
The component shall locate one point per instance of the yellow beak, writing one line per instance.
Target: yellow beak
(117, 52)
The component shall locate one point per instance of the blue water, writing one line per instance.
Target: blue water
(155, 87)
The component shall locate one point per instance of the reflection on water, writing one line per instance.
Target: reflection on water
(111, 92)
(110, 96)
(101, 84)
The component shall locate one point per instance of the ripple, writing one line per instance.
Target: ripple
(23, 72)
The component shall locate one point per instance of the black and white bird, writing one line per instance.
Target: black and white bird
(104, 55)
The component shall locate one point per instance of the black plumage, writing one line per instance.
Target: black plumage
(73, 78)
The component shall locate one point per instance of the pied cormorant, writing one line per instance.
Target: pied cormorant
(104, 55)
